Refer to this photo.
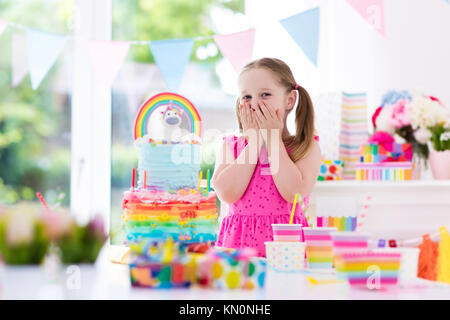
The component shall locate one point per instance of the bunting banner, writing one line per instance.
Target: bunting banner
(372, 11)
(304, 28)
(237, 47)
(172, 57)
(43, 49)
(3, 26)
(19, 59)
(106, 59)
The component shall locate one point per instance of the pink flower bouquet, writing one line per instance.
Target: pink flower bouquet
(412, 117)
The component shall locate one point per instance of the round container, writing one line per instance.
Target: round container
(409, 262)
(319, 247)
(287, 232)
(286, 256)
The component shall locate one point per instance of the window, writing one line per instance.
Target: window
(35, 125)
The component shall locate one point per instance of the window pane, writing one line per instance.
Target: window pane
(35, 134)
(205, 82)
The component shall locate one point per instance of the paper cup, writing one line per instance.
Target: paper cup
(409, 262)
(286, 256)
(319, 247)
(287, 232)
(347, 242)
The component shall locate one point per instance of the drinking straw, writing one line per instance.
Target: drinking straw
(133, 179)
(145, 179)
(304, 209)
(293, 209)
(200, 179)
(38, 194)
(208, 177)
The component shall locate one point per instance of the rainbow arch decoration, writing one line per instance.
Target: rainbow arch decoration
(163, 99)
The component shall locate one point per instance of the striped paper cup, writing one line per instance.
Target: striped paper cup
(287, 232)
(347, 242)
(286, 256)
(409, 262)
(319, 247)
(371, 270)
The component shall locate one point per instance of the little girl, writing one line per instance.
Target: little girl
(259, 173)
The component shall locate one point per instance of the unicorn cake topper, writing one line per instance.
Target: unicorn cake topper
(176, 120)
(171, 121)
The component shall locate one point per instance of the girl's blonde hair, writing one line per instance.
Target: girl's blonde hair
(300, 143)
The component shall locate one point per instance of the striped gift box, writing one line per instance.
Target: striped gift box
(371, 270)
(319, 247)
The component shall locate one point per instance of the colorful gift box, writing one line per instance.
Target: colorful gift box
(231, 269)
(408, 263)
(162, 265)
(163, 275)
(371, 270)
(331, 170)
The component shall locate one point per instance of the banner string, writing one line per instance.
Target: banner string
(131, 42)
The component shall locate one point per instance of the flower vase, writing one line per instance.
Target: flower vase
(440, 164)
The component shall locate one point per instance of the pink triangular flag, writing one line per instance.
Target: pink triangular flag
(237, 47)
(3, 25)
(107, 58)
(19, 59)
(372, 11)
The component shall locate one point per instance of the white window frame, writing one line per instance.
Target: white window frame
(90, 187)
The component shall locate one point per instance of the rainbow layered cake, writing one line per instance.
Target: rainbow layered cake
(167, 200)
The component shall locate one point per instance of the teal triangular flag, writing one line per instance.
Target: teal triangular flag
(43, 49)
(304, 28)
(172, 57)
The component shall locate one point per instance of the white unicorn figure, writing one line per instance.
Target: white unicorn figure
(171, 121)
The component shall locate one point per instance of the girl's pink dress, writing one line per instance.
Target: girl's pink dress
(249, 220)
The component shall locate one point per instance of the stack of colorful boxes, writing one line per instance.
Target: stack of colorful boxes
(380, 164)
(354, 131)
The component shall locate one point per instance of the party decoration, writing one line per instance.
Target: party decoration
(107, 58)
(408, 263)
(354, 131)
(231, 269)
(428, 256)
(3, 26)
(370, 270)
(331, 170)
(372, 11)
(172, 57)
(237, 47)
(443, 263)
(286, 256)
(348, 224)
(43, 49)
(319, 247)
(304, 28)
(287, 232)
(165, 99)
(19, 59)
